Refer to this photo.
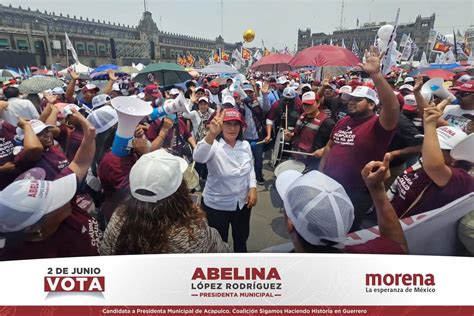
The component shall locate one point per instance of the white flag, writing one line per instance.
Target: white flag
(439, 58)
(257, 54)
(424, 61)
(449, 58)
(71, 48)
(391, 53)
(343, 45)
(330, 42)
(470, 60)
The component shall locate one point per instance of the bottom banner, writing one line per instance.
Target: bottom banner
(236, 310)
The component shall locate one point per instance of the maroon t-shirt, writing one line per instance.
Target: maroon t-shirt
(7, 133)
(53, 161)
(170, 139)
(70, 140)
(379, 245)
(411, 184)
(114, 174)
(78, 235)
(294, 113)
(356, 142)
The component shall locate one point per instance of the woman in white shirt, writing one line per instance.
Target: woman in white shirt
(231, 187)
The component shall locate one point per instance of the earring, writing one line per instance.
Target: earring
(40, 234)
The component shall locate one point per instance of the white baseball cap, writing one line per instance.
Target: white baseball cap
(102, 119)
(38, 126)
(58, 91)
(156, 176)
(282, 80)
(345, 89)
(100, 100)
(174, 91)
(228, 99)
(363, 92)
(203, 99)
(308, 97)
(464, 150)
(289, 93)
(407, 87)
(449, 136)
(408, 79)
(24, 202)
(410, 100)
(464, 78)
(317, 205)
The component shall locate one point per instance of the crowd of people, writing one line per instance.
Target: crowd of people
(375, 150)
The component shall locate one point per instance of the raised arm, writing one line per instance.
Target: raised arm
(71, 86)
(31, 144)
(85, 154)
(433, 160)
(390, 108)
(374, 174)
(112, 78)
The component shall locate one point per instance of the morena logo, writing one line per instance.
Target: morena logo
(406, 279)
(228, 273)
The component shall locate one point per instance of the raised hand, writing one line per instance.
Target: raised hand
(375, 172)
(22, 122)
(74, 75)
(434, 112)
(418, 83)
(112, 75)
(215, 127)
(372, 61)
(265, 87)
(167, 123)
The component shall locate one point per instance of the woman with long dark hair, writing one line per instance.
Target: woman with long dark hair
(160, 217)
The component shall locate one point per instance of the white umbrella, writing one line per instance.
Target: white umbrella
(7, 73)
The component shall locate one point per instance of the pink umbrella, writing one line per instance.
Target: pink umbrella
(323, 56)
(273, 63)
(438, 73)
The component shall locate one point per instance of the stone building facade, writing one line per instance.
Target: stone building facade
(366, 34)
(30, 37)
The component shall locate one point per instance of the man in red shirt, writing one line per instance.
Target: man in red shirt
(362, 136)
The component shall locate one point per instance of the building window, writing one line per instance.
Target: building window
(22, 44)
(81, 49)
(4, 43)
(425, 24)
(163, 53)
(102, 50)
(91, 48)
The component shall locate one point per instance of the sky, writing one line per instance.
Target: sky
(276, 22)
